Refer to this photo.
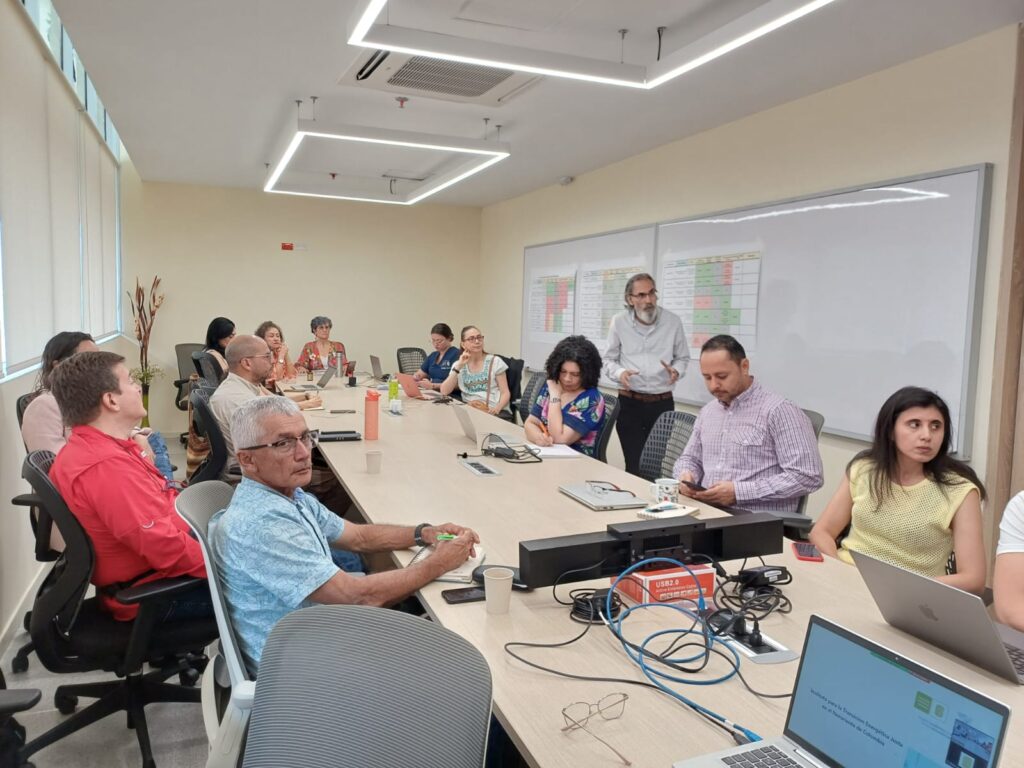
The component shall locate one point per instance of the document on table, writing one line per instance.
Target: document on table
(461, 575)
(554, 451)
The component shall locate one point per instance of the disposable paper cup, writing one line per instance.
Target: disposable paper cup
(498, 587)
(374, 459)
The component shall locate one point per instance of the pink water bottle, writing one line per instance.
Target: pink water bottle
(371, 415)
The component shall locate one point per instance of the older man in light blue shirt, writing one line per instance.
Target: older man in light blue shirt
(273, 543)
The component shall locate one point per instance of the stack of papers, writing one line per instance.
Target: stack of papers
(554, 451)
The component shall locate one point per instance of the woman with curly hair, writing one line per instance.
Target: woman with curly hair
(573, 369)
(906, 500)
(282, 368)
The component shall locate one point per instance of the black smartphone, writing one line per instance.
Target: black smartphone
(464, 595)
(693, 486)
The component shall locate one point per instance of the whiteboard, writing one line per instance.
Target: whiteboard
(840, 299)
(576, 286)
(858, 293)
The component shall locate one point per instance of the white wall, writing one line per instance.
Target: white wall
(948, 109)
(384, 274)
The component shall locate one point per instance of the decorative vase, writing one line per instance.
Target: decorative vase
(145, 404)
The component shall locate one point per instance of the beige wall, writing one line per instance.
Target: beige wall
(948, 109)
(384, 274)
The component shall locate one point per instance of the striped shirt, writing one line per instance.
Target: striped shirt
(761, 442)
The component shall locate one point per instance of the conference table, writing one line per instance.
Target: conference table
(422, 479)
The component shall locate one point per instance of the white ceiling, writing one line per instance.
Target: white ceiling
(201, 91)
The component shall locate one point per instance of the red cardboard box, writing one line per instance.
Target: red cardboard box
(668, 585)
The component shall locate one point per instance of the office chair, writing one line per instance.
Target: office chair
(41, 526)
(350, 686)
(410, 359)
(73, 634)
(209, 370)
(514, 377)
(12, 733)
(213, 465)
(665, 443)
(604, 435)
(225, 732)
(525, 402)
(186, 367)
(797, 525)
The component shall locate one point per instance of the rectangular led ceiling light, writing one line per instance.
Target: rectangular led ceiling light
(460, 159)
(775, 14)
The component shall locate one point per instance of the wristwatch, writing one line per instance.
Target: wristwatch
(417, 534)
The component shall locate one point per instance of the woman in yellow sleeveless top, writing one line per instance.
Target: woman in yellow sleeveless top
(907, 502)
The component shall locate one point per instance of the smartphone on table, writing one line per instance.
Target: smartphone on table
(804, 550)
(464, 595)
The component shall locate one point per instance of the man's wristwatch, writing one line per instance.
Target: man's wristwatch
(417, 534)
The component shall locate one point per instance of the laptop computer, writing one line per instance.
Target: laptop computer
(378, 372)
(412, 389)
(857, 703)
(944, 616)
(603, 496)
(328, 375)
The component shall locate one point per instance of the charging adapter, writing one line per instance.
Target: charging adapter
(763, 576)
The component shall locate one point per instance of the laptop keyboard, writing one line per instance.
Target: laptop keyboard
(1017, 657)
(765, 757)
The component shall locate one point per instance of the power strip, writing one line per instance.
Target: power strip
(478, 468)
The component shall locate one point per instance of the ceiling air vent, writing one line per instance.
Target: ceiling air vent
(425, 76)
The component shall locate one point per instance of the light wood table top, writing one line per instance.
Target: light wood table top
(422, 480)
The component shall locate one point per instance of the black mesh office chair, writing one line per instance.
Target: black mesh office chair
(533, 385)
(410, 359)
(12, 733)
(213, 464)
(611, 413)
(666, 441)
(186, 367)
(41, 526)
(209, 370)
(72, 634)
(514, 377)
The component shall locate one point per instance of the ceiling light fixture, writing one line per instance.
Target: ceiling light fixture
(478, 155)
(767, 18)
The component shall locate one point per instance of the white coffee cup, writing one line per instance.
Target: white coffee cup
(374, 460)
(665, 489)
(498, 588)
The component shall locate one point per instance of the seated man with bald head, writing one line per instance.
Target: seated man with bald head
(250, 362)
(273, 544)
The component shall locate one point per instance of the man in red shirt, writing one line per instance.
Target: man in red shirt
(122, 501)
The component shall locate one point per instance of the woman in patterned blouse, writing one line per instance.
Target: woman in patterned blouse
(320, 353)
(573, 369)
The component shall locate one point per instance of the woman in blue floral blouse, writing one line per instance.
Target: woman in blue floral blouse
(573, 369)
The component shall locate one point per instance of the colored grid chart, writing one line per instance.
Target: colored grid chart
(552, 304)
(601, 299)
(713, 295)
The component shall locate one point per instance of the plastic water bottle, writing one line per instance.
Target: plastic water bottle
(392, 389)
(371, 415)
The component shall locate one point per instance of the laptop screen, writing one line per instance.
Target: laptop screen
(856, 703)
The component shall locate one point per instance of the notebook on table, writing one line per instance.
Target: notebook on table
(461, 575)
(944, 616)
(857, 703)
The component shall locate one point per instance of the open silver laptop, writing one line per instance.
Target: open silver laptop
(328, 375)
(857, 703)
(602, 496)
(944, 616)
(468, 428)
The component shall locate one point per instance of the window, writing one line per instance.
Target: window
(59, 260)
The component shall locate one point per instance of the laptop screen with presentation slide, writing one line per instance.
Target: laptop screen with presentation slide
(856, 703)
(944, 616)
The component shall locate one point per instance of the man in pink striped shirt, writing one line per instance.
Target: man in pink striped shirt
(750, 447)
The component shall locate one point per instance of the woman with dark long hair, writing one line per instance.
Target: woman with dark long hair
(219, 334)
(569, 409)
(906, 500)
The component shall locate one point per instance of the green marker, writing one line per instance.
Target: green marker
(446, 537)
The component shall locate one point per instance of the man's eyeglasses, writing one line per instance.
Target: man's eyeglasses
(611, 707)
(267, 356)
(286, 445)
(644, 296)
(474, 338)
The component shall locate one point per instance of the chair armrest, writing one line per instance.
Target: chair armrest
(26, 500)
(162, 589)
(18, 700)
